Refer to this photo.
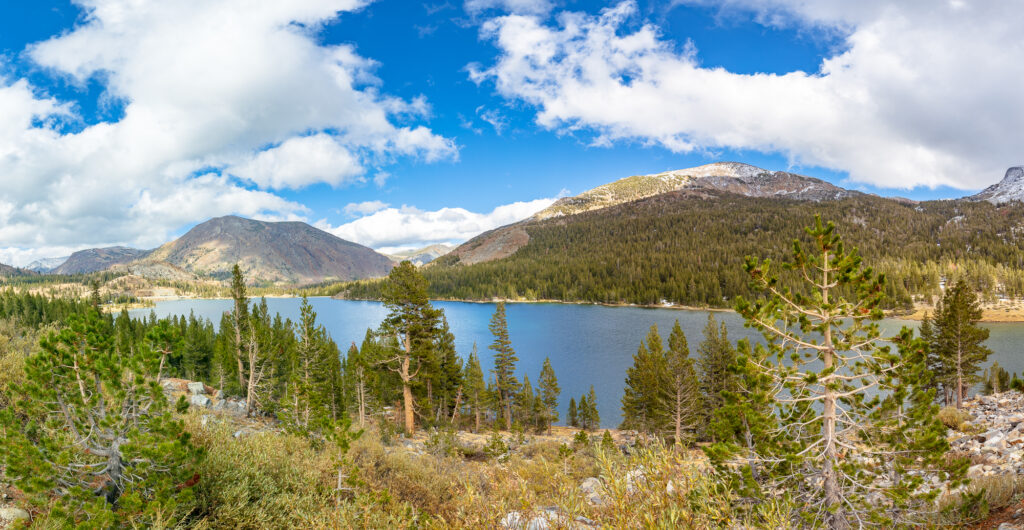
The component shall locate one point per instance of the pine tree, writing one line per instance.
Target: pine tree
(97, 434)
(589, 417)
(525, 403)
(645, 401)
(583, 414)
(504, 361)
(476, 389)
(715, 357)
(412, 321)
(239, 319)
(549, 392)
(449, 373)
(572, 418)
(957, 340)
(823, 410)
(744, 426)
(684, 404)
(313, 400)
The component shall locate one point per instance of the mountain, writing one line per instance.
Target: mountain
(1011, 188)
(97, 259)
(45, 265)
(423, 255)
(731, 177)
(734, 177)
(292, 252)
(623, 243)
(7, 271)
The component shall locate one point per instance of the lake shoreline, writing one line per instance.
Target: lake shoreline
(989, 314)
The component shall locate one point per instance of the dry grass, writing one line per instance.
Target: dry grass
(954, 418)
(273, 480)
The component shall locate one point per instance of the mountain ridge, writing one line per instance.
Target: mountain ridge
(98, 259)
(274, 252)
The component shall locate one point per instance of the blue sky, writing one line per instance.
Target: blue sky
(398, 123)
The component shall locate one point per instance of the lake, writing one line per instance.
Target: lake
(587, 344)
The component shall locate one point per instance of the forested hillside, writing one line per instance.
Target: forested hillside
(688, 248)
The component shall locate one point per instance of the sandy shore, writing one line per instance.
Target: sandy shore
(1004, 311)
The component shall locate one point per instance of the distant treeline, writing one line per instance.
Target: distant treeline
(690, 250)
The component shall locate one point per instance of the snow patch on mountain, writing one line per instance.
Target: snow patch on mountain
(1011, 188)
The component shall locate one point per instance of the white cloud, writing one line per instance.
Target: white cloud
(922, 93)
(410, 227)
(493, 117)
(527, 7)
(205, 84)
(356, 209)
(299, 162)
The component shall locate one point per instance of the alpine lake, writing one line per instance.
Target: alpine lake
(587, 344)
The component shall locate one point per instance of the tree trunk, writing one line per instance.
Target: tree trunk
(455, 411)
(476, 411)
(836, 518)
(361, 394)
(679, 413)
(508, 413)
(410, 421)
(959, 375)
(238, 350)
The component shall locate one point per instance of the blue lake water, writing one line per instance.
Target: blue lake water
(587, 344)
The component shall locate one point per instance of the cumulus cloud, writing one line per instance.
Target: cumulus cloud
(921, 93)
(410, 227)
(210, 89)
(299, 162)
(356, 209)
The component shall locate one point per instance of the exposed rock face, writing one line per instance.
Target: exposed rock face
(291, 252)
(1011, 188)
(98, 259)
(733, 177)
(495, 244)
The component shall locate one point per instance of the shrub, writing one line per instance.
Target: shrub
(954, 418)
(442, 443)
(496, 447)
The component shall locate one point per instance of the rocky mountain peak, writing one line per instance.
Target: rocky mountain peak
(1011, 188)
(731, 177)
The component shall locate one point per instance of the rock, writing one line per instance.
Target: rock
(196, 388)
(200, 401)
(10, 514)
(633, 480)
(546, 519)
(1010, 526)
(593, 491)
(512, 521)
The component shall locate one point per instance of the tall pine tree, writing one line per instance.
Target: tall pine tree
(648, 384)
(549, 394)
(715, 358)
(412, 321)
(504, 362)
(684, 402)
(476, 389)
(956, 340)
